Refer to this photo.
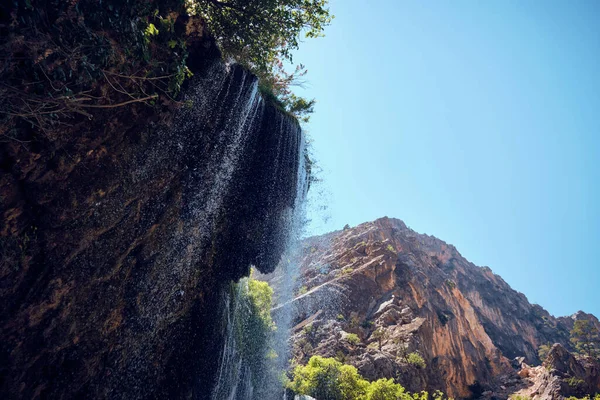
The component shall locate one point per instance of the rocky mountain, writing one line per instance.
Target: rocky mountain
(120, 233)
(380, 295)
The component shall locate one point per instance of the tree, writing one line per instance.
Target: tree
(586, 338)
(327, 378)
(380, 335)
(543, 351)
(259, 32)
(261, 35)
(386, 389)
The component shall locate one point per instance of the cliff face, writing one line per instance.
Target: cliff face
(402, 292)
(117, 240)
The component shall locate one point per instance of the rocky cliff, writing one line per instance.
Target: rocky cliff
(118, 236)
(402, 292)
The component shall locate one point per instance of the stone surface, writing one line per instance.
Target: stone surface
(464, 320)
(118, 240)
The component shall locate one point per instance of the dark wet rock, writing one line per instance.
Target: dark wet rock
(118, 240)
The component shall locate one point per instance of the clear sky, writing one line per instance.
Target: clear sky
(477, 122)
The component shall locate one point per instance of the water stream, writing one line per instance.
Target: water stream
(236, 380)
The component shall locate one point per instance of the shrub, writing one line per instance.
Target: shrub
(380, 335)
(384, 389)
(253, 328)
(586, 338)
(302, 290)
(575, 383)
(415, 359)
(262, 34)
(543, 351)
(353, 338)
(329, 379)
(308, 329)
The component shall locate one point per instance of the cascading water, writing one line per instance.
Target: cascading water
(235, 380)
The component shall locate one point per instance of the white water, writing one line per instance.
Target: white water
(234, 379)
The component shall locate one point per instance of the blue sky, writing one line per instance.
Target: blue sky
(477, 122)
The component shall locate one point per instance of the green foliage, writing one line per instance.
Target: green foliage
(354, 320)
(340, 317)
(262, 34)
(385, 389)
(308, 329)
(380, 335)
(575, 383)
(254, 327)
(329, 379)
(151, 30)
(544, 350)
(586, 338)
(450, 283)
(390, 248)
(416, 360)
(366, 324)
(519, 397)
(353, 338)
(261, 300)
(588, 397)
(302, 290)
(63, 59)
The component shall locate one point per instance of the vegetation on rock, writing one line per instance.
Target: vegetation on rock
(63, 60)
(327, 378)
(416, 360)
(544, 350)
(586, 338)
(254, 328)
(353, 338)
(262, 35)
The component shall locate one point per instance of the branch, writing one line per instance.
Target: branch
(154, 96)
(221, 4)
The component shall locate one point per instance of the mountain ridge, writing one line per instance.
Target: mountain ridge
(421, 296)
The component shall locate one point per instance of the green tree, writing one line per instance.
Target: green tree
(586, 338)
(544, 350)
(254, 327)
(380, 335)
(328, 379)
(386, 389)
(260, 32)
(353, 338)
(261, 35)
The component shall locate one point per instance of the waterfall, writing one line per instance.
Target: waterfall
(234, 380)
